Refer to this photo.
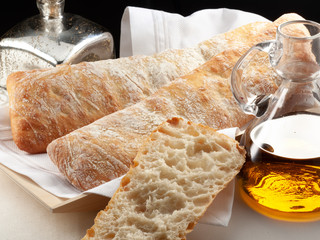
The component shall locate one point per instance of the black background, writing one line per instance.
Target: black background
(108, 13)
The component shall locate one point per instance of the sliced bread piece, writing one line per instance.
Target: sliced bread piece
(177, 173)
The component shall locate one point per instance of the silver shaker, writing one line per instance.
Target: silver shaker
(51, 38)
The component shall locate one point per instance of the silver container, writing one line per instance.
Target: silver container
(51, 38)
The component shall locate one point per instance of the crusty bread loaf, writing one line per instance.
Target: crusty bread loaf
(47, 104)
(105, 149)
(176, 175)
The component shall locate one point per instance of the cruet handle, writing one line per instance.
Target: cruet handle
(250, 103)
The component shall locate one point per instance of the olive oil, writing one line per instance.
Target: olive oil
(281, 177)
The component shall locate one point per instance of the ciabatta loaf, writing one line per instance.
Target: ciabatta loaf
(176, 175)
(105, 149)
(47, 104)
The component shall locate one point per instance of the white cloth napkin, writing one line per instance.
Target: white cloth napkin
(160, 31)
(145, 31)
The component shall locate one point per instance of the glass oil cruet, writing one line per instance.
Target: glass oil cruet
(51, 38)
(281, 176)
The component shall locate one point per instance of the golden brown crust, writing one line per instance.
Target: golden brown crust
(46, 104)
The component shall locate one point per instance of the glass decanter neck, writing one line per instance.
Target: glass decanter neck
(51, 9)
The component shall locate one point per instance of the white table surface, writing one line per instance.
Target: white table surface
(23, 218)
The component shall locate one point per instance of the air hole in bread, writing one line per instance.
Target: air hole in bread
(192, 131)
(172, 161)
(175, 145)
(202, 200)
(224, 168)
(202, 146)
(143, 224)
(167, 173)
(171, 202)
(170, 132)
(224, 144)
